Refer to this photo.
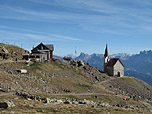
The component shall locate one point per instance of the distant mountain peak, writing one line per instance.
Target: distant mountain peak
(83, 57)
(96, 54)
(146, 52)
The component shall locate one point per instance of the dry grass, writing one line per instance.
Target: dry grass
(71, 79)
(34, 107)
(14, 51)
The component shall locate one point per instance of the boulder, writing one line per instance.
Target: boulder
(75, 102)
(22, 71)
(66, 102)
(88, 102)
(105, 105)
(3, 105)
(6, 104)
(59, 101)
(80, 63)
(5, 50)
(10, 103)
(47, 100)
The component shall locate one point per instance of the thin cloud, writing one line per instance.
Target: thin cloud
(102, 13)
(23, 13)
(44, 35)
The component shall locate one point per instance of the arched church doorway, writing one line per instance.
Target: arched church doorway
(118, 74)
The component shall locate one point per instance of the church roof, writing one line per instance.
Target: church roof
(106, 51)
(113, 61)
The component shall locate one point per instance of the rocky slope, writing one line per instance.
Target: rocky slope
(11, 51)
(52, 85)
(132, 87)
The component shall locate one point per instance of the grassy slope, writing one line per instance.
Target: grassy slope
(34, 107)
(14, 51)
(131, 86)
(63, 77)
(131, 81)
(55, 76)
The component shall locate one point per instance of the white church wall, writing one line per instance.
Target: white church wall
(118, 67)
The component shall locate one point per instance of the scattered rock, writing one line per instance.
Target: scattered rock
(5, 50)
(3, 105)
(12, 112)
(47, 100)
(6, 104)
(59, 101)
(77, 63)
(105, 105)
(10, 103)
(96, 96)
(22, 71)
(67, 90)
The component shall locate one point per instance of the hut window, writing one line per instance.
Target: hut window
(41, 47)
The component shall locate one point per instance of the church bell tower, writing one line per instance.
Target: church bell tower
(106, 58)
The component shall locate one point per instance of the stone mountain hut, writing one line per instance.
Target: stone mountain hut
(43, 52)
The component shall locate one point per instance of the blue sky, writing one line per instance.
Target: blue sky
(125, 25)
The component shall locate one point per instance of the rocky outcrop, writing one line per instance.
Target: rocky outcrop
(11, 52)
(89, 71)
(5, 50)
(90, 103)
(55, 101)
(78, 63)
(78, 102)
(29, 96)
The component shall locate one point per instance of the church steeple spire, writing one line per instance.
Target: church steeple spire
(106, 52)
(106, 58)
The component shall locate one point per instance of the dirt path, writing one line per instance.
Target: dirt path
(79, 94)
(99, 85)
(5, 94)
(10, 61)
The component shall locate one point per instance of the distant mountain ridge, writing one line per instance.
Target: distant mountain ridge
(96, 59)
(137, 65)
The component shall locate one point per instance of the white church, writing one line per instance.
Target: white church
(113, 66)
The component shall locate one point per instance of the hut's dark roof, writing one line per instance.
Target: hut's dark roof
(50, 46)
(41, 46)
